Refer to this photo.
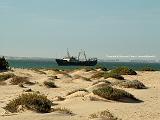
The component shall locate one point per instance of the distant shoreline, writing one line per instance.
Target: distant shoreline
(50, 63)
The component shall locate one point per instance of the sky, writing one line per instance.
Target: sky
(46, 28)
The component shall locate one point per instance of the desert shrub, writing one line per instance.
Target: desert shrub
(97, 75)
(63, 110)
(104, 115)
(49, 84)
(111, 93)
(18, 80)
(123, 71)
(4, 65)
(81, 89)
(113, 75)
(133, 84)
(32, 101)
(147, 69)
(6, 76)
(117, 82)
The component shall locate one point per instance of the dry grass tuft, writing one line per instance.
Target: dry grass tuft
(49, 84)
(4, 77)
(104, 115)
(133, 84)
(124, 71)
(18, 80)
(113, 75)
(111, 93)
(31, 101)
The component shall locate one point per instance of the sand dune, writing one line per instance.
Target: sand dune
(82, 103)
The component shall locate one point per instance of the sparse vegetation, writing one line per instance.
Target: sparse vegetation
(4, 77)
(106, 75)
(111, 93)
(4, 65)
(113, 75)
(104, 115)
(133, 84)
(18, 80)
(31, 101)
(123, 71)
(69, 93)
(49, 84)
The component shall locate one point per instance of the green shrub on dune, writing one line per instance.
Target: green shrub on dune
(49, 84)
(4, 77)
(103, 115)
(106, 75)
(113, 75)
(133, 84)
(124, 71)
(31, 101)
(20, 80)
(111, 93)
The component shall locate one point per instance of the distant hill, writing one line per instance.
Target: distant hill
(26, 58)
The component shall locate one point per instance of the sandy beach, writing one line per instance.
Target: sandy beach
(82, 104)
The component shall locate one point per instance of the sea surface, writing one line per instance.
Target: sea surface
(28, 63)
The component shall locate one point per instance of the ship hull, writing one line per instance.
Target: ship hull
(62, 62)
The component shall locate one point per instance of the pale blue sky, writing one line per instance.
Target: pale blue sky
(46, 28)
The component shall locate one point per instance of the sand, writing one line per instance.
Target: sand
(79, 103)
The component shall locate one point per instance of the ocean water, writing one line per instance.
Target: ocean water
(52, 64)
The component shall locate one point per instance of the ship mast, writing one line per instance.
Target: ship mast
(68, 55)
(79, 55)
(83, 53)
(85, 56)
